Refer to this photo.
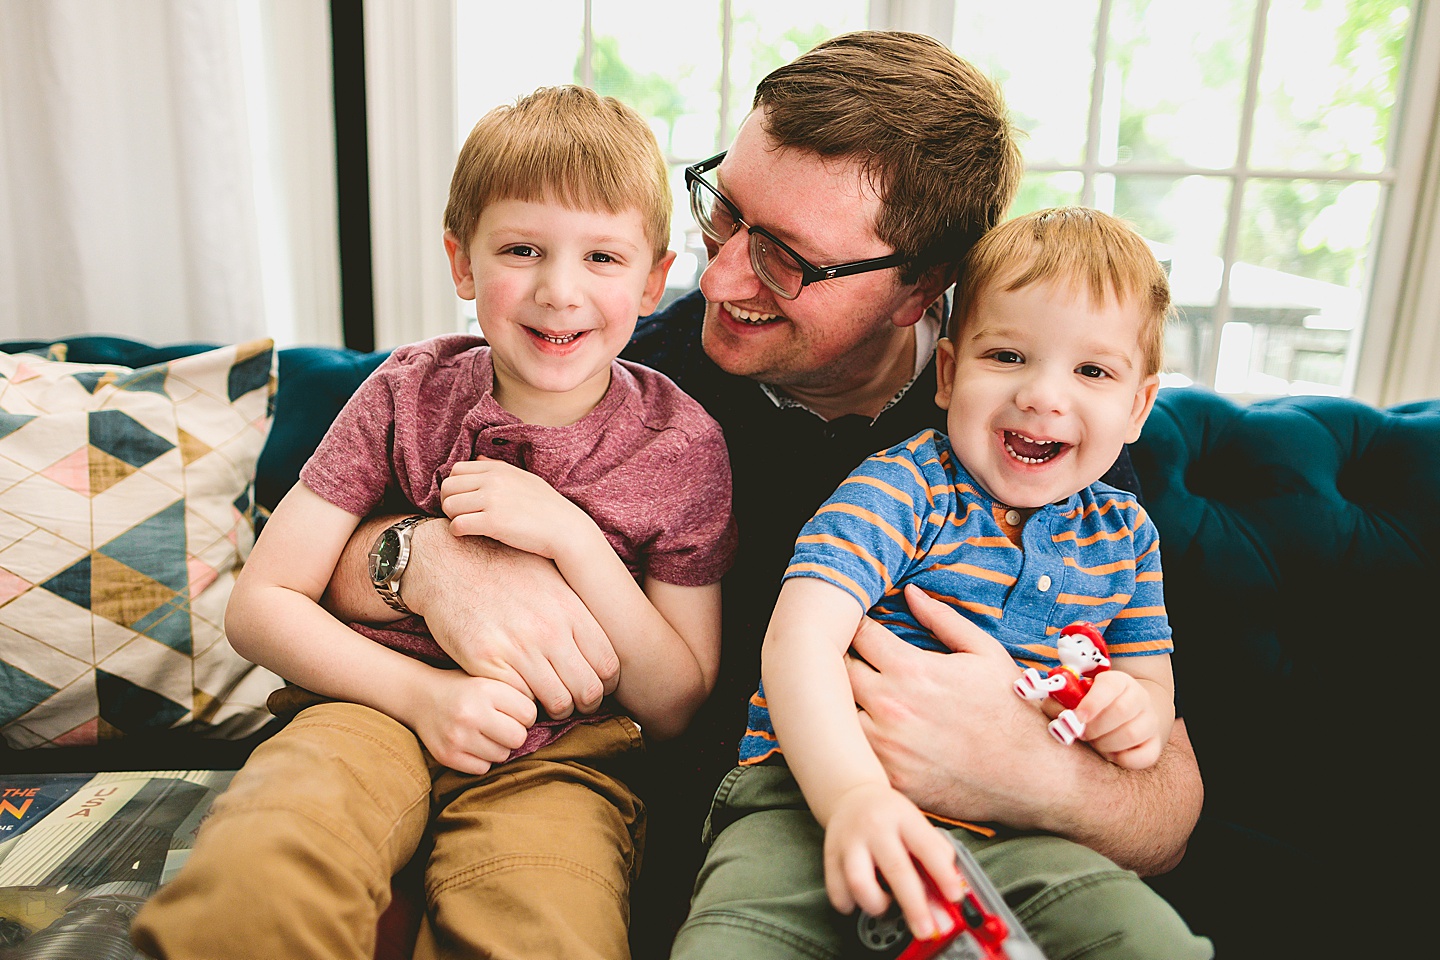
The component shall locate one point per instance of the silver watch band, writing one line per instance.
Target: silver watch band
(389, 586)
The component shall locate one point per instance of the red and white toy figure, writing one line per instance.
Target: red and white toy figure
(1082, 655)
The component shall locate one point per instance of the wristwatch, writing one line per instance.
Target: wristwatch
(390, 556)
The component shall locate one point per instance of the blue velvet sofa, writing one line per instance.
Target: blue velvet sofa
(1300, 538)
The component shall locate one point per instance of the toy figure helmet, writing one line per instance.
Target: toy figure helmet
(1083, 633)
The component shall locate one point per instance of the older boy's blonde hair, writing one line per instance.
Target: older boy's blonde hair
(567, 144)
(1093, 250)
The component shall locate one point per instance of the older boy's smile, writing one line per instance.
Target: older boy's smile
(560, 339)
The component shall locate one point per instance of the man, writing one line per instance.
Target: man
(900, 158)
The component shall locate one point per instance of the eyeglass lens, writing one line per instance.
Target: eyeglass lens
(775, 267)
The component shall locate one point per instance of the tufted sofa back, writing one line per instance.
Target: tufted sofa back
(1300, 539)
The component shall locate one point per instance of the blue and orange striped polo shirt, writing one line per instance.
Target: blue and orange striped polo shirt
(913, 514)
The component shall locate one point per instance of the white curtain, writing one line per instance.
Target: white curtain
(410, 117)
(166, 170)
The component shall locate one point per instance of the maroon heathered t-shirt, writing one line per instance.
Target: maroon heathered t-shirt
(648, 464)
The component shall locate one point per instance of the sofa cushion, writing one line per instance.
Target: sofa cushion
(126, 507)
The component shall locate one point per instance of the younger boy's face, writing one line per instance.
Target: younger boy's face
(1043, 389)
(557, 293)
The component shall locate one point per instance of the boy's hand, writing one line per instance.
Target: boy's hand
(471, 723)
(1120, 722)
(491, 498)
(873, 829)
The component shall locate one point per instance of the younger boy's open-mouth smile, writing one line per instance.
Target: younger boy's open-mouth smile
(1029, 449)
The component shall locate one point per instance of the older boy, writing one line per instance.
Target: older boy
(1050, 367)
(536, 437)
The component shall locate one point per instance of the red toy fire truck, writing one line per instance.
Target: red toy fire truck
(983, 927)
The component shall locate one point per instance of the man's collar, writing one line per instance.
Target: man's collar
(927, 334)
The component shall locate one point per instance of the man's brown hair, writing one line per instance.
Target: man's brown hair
(565, 144)
(1097, 253)
(929, 129)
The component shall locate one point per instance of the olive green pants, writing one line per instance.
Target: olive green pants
(761, 891)
(532, 860)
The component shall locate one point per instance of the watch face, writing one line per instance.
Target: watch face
(382, 560)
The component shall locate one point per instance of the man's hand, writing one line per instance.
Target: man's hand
(498, 612)
(953, 737)
(948, 728)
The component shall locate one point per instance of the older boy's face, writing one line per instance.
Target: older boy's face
(557, 292)
(832, 335)
(1043, 389)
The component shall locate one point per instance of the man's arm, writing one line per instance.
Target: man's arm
(667, 640)
(273, 619)
(954, 738)
(500, 613)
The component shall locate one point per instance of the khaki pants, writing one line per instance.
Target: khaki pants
(532, 860)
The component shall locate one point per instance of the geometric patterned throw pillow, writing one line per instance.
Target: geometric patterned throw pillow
(125, 513)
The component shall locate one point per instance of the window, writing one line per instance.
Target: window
(692, 72)
(1251, 142)
(1258, 144)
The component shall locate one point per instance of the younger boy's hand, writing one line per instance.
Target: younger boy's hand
(1120, 721)
(873, 832)
(491, 498)
(471, 723)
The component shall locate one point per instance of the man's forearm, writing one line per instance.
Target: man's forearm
(351, 597)
(1141, 819)
(498, 612)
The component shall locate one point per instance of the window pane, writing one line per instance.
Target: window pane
(1184, 220)
(504, 51)
(1045, 73)
(685, 239)
(768, 34)
(666, 67)
(1175, 81)
(1328, 87)
(1296, 288)
(1187, 213)
(1041, 190)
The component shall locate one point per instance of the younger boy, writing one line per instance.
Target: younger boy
(1050, 366)
(538, 437)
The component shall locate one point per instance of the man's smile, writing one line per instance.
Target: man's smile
(749, 316)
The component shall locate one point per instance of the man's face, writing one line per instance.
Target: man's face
(834, 334)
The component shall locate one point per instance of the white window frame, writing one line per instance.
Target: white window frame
(411, 101)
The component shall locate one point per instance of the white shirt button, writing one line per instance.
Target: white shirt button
(1012, 517)
(1043, 584)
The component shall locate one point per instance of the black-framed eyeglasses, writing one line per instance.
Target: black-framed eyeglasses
(778, 267)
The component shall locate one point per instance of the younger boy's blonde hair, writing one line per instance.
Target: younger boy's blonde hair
(1093, 250)
(565, 144)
